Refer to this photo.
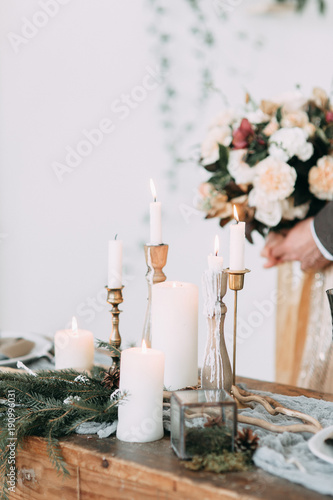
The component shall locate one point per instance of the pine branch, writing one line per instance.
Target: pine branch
(109, 347)
(52, 405)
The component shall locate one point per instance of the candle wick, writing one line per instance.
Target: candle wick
(155, 199)
(116, 236)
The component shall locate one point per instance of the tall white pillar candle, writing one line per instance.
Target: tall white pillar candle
(115, 263)
(74, 348)
(141, 377)
(155, 218)
(237, 245)
(215, 262)
(175, 331)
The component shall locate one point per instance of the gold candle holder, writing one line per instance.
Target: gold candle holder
(236, 283)
(114, 298)
(156, 258)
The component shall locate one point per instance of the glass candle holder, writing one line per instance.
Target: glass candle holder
(202, 421)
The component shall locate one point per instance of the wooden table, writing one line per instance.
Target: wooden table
(102, 469)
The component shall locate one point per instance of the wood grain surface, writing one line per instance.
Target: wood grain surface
(102, 469)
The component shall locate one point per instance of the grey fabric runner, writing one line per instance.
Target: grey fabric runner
(287, 455)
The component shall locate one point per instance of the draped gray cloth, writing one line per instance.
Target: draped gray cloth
(287, 455)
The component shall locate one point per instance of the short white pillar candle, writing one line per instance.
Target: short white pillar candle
(74, 348)
(141, 378)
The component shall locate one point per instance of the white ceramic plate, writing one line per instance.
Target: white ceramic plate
(318, 446)
(42, 347)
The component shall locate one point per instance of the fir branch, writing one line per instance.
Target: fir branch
(41, 410)
(109, 347)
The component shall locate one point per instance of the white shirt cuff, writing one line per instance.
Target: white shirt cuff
(325, 253)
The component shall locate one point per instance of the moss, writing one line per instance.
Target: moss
(204, 440)
(223, 462)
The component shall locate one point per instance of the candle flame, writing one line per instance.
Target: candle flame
(216, 246)
(236, 213)
(153, 189)
(74, 325)
(144, 346)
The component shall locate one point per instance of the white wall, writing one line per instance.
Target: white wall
(53, 236)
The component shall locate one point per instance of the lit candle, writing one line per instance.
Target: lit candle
(141, 377)
(175, 331)
(74, 348)
(115, 263)
(215, 262)
(155, 218)
(237, 244)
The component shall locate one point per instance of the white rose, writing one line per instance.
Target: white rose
(226, 117)
(257, 116)
(274, 179)
(321, 178)
(267, 212)
(288, 142)
(290, 212)
(210, 146)
(239, 169)
(291, 101)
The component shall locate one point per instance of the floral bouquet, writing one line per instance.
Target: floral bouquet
(274, 162)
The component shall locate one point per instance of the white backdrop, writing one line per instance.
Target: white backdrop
(64, 78)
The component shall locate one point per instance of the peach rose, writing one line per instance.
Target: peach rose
(320, 97)
(321, 178)
(214, 203)
(271, 127)
(274, 179)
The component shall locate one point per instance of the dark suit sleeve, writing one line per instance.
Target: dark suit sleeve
(323, 225)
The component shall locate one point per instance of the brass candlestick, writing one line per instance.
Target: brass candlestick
(156, 259)
(236, 283)
(115, 297)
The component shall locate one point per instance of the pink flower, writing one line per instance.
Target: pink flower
(242, 134)
(329, 116)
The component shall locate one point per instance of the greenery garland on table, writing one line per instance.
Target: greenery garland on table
(52, 404)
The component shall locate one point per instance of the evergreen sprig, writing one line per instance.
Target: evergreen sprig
(51, 405)
(114, 352)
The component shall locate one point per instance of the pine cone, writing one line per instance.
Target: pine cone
(246, 440)
(111, 378)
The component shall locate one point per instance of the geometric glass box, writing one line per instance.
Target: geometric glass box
(202, 421)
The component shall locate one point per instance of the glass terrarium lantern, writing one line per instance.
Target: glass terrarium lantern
(203, 421)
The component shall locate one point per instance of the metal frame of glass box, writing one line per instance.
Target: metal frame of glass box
(212, 404)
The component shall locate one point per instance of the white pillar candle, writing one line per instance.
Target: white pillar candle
(237, 244)
(155, 218)
(215, 262)
(175, 331)
(115, 263)
(140, 413)
(74, 348)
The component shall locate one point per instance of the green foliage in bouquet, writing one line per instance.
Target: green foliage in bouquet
(52, 404)
(274, 162)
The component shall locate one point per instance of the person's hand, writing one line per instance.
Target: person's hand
(299, 245)
(271, 240)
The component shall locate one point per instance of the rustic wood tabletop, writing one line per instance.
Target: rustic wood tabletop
(102, 469)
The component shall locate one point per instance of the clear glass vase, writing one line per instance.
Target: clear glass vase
(216, 370)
